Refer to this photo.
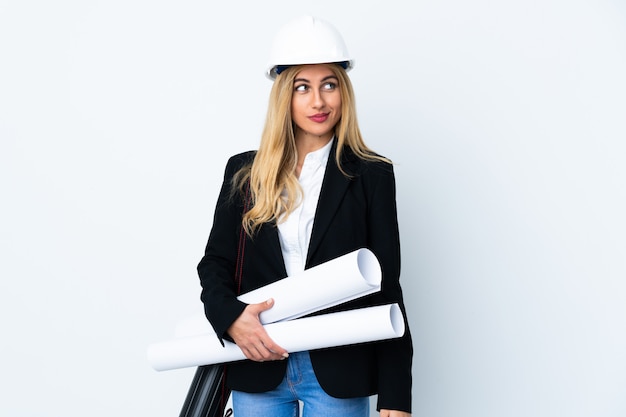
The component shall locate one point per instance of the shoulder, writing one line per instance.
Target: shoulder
(358, 166)
(239, 161)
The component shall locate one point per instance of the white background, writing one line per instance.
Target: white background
(506, 121)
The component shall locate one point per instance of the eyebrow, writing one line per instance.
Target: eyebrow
(323, 79)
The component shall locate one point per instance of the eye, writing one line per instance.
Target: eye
(329, 86)
(301, 87)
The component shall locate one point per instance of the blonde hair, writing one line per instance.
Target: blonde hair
(274, 190)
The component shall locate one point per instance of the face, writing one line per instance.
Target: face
(316, 102)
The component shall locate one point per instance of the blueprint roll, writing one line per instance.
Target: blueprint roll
(327, 330)
(342, 279)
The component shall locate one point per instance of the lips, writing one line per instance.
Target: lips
(319, 118)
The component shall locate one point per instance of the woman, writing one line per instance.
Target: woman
(312, 192)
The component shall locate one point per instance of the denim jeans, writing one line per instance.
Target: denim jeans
(299, 385)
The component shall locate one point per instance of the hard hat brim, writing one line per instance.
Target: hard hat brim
(273, 71)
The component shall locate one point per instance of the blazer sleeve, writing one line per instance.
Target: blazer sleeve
(217, 267)
(394, 356)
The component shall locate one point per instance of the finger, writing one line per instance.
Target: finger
(260, 353)
(277, 351)
(261, 307)
(268, 343)
(267, 350)
(254, 351)
(261, 348)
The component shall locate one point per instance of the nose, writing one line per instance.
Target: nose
(317, 101)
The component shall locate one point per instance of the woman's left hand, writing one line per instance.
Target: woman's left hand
(394, 413)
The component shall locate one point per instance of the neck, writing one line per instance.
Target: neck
(306, 144)
(309, 143)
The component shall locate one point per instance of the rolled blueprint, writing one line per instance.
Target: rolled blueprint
(342, 279)
(334, 282)
(336, 329)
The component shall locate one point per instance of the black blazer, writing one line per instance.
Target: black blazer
(352, 213)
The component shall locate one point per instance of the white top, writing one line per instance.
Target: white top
(295, 231)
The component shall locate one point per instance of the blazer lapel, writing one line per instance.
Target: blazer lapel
(333, 190)
(268, 243)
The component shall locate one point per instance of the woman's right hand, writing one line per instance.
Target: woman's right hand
(251, 337)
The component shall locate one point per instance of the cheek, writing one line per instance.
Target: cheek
(336, 103)
(298, 116)
(338, 111)
(296, 108)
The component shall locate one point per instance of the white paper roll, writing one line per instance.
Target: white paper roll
(329, 284)
(334, 282)
(327, 330)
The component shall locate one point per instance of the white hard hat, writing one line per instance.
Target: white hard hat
(307, 40)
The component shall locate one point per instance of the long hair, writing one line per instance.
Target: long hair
(274, 188)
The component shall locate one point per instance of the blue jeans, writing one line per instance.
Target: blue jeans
(299, 384)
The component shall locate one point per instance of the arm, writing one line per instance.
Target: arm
(230, 317)
(394, 356)
(217, 267)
